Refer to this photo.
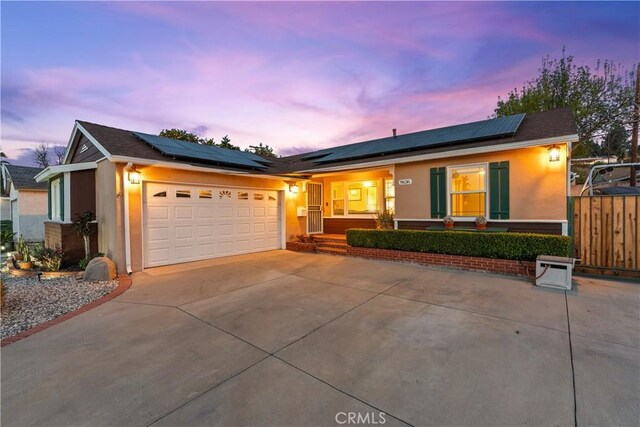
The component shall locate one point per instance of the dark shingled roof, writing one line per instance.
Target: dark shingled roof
(23, 178)
(121, 142)
(546, 124)
(533, 126)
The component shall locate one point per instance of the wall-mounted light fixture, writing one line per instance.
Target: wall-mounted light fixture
(554, 154)
(293, 187)
(134, 176)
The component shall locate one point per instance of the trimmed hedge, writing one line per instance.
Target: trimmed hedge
(518, 246)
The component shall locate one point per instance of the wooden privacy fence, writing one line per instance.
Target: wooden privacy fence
(605, 234)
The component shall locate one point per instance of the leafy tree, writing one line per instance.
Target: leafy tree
(599, 98)
(41, 155)
(183, 135)
(225, 142)
(616, 142)
(262, 150)
(180, 134)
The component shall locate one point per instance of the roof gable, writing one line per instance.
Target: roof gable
(22, 177)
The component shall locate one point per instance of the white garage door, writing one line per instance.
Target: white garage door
(188, 222)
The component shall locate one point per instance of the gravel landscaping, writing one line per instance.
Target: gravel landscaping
(29, 302)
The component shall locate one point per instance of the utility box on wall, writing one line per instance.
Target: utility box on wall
(302, 211)
(554, 272)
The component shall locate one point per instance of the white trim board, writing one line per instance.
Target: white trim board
(71, 167)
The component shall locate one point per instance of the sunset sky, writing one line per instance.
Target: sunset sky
(295, 76)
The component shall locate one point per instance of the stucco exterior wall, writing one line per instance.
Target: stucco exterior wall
(32, 210)
(108, 209)
(537, 187)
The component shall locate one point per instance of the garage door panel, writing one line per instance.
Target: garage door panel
(224, 212)
(205, 212)
(159, 256)
(243, 228)
(158, 234)
(183, 212)
(158, 212)
(205, 231)
(184, 232)
(206, 250)
(243, 212)
(189, 222)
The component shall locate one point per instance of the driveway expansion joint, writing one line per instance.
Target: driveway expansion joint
(493, 316)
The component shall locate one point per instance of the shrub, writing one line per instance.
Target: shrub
(51, 259)
(85, 261)
(518, 246)
(384, 220)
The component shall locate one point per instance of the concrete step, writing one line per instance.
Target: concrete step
(332, 251)
(335, 245)
(326, 239)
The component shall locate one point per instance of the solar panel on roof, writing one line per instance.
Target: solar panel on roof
(206, 153)
(486, 129)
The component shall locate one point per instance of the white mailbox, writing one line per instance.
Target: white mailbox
(302, 211)
(554, 272)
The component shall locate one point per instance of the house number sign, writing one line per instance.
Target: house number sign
(406, 181)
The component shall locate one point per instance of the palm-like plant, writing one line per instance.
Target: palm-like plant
(84, 228)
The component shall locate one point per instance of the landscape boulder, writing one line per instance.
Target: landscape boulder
(100, 269)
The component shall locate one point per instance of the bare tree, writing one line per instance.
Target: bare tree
(59, 152)
(41, 155)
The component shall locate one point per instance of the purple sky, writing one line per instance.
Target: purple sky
(295, 76)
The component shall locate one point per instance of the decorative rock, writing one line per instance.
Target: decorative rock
(100, 269)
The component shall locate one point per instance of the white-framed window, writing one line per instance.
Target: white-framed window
(389, 195)
(355, 197)
(467, 190)
(56, 199)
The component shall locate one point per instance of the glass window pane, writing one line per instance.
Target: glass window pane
(469, 204)
(337, 198)
(363, 197)
(183, 193)
(467, 178)
(205, 194)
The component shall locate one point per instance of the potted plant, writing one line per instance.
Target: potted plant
(448, 222)
(26, 262)
(20, 248)
(481, 223)
(384, 220)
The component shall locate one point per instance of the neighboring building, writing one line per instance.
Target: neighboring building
(27, 201)
(160, 201)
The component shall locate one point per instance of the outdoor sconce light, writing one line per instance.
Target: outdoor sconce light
(134, 176)
(554, 154)
(293, 187)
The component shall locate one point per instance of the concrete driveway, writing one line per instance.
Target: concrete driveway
(281, 338)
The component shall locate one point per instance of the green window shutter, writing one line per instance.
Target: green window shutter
(438, 192)
(49, 202)
(499, 190)
(62, 198)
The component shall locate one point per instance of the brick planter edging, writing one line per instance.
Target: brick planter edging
(124, 283)
(487, 265)
(302, 247)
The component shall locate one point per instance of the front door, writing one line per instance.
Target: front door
(314, 208)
